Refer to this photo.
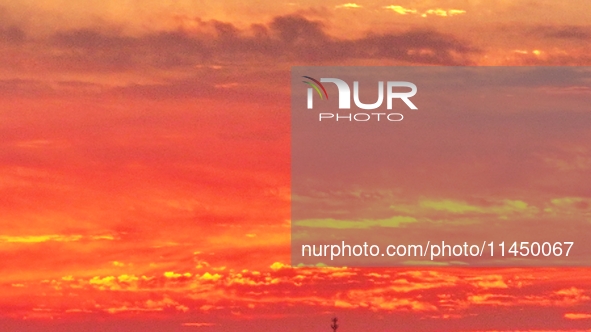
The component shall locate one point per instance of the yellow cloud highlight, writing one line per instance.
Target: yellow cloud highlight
(534, 52)
(349, 5)
(443, 13)
(278, 266)
(104, 283)
(504, 207)
(173, 275)
(453, 12)
(577, 316)
(435, 11)
(362, 224)
(572, 292)
(102, 237)
(51, 238)
(208, 276)
(39, 238)
(401, 10)
(491, 299)
(491, 281)
(127, 278)
(572, 202)
(343, 304)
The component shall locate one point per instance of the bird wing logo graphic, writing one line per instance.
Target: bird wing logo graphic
(317, 86)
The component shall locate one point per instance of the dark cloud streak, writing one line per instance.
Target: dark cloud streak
(564, 32)
(290, 38)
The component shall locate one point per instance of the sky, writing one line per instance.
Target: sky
(145, 165)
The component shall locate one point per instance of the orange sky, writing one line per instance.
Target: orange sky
(144, 165)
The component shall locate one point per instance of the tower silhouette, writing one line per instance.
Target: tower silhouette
(334, 324)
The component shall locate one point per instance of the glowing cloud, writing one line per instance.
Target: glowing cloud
(401, 10)
(577, 316)
(52, 238)
(349, 5)
(436, 11)
(504, 207)
(344, 224)
(443, 13)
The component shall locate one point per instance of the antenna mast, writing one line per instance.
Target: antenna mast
(334, 324)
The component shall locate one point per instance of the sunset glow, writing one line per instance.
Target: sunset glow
(145, 166)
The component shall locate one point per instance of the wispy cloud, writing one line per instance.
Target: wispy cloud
(424, 13)
(577, 316)
(349, 5)
(401, 10)
(52, 238)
